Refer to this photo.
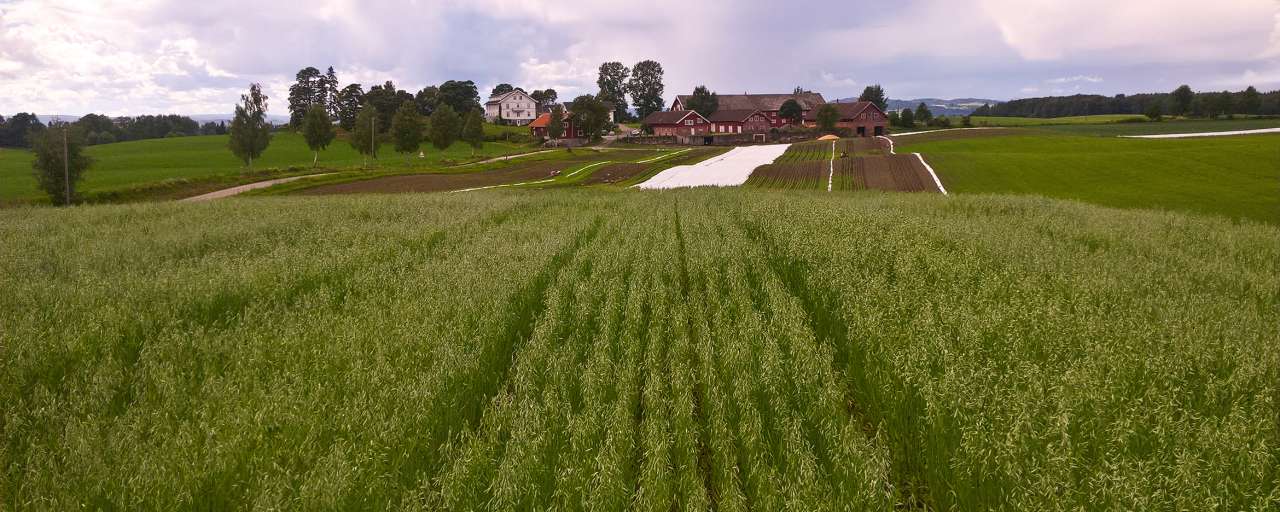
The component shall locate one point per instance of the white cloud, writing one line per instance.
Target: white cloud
(1074, 79)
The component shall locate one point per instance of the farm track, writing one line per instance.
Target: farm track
(446, 182)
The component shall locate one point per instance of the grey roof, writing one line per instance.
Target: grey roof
(763, 102)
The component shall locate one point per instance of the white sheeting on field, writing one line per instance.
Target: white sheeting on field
(727, 170)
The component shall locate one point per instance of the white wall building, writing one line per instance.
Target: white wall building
(514, 107)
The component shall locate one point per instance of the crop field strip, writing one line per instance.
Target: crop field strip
(879, 171)
(705, 349)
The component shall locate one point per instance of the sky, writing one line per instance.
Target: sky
(132, 57)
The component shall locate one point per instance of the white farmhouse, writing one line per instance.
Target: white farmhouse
(515, 107)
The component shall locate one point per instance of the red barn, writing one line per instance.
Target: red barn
(677, 123)
(767, 104)
(539, 127)
(739, 121)
(862, 118)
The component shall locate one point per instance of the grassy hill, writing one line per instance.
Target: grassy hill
(549, 349)
(128, 165)
(1238, 177)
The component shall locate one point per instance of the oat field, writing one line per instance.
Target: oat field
(605, 350)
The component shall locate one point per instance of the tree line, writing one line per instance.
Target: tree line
(100, 129)
(1182, 101)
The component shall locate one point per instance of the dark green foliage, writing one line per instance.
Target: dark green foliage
(645, 87)
(502, 89)
(317, 130)
(331, 91)
(966, 121)
(590, 115)
(544, 97)
(250, 132)
(827, 117)
(1154, 111)
(1181, 99)
(386, 99)
(703, 101)
(364, 135)
(923, 114)
(612, 82)
(49, 148)
(310, 88)
(444, 128)
(555, 129)
(426, 99)
(350, 101)
(875, 94)
(791, 111)
(1250, 101)
(894, 118)
(407, 129)
(473, 130)
(907, 119)
(15, 131)
(461, 96)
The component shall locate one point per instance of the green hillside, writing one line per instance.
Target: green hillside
(697, 349)
(132, 164)
(1238, 177)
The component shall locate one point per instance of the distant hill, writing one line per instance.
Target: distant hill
(955, 107)
(199, 118)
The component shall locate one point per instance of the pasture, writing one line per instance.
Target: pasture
(126, 166)
(694, 349)
(1236, 177)
(1051, 121)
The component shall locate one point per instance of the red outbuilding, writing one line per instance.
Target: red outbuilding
(739, 121)
(861, 118)
(539, 127)
(677, 123)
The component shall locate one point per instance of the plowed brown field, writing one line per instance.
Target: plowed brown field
(445, 182)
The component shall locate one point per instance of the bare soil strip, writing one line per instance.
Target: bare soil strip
(615, 173)
(445, 182)
(922, 166)
(228, 192)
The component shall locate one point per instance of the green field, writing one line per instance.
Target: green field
(1165, 127)
(127, 165)
(696, 349)
(1047, 121)
(1237, 177)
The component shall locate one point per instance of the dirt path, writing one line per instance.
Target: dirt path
(1202, 134)
(228, 192)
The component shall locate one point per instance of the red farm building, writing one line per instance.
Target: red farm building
(739, 121)
(540, 126)
(767, 104)
(677, 123)
(861, 118)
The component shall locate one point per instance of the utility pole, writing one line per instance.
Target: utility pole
(373, 132)
(66, 167)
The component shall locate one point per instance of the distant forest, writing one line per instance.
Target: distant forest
(100, 129)
(1181, 102)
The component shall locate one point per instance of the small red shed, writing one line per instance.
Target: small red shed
(677, 123)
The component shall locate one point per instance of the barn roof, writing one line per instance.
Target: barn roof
(669, 117)
(764, 102)
(732, 116)
(847, 111)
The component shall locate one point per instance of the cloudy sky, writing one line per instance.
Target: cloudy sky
(195, 57)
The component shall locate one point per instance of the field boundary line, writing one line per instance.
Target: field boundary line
(926, 165)
(548, 180)
(240, 189)
(831, 177)
(943, 130)
(660, 157)
(570, 175)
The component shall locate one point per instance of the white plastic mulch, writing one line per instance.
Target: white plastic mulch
(727, 170)
(1202, 134)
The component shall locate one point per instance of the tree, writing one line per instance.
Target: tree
(544, 98)
(791, 111)
(590, 115)
(461, 96)
(555, 129)
(704, 101)
(875, 94)
(1154, 111)
(894, 118)
(1181, 99)
(1250, 101)
(1225, 105)
(613, 87)
(364, 133)
(984, 110)
(502, 89)
(303, 94)
(799, 90)
(646, 87)
(427, 99)
(386, 99)
(59, 161)
(350, 101)
(907, 119)
(473, 131)
(406, 129)
(827, 117)
(966, 122)
(923, 114)
(331, 94)
(444, 127)
(19, 128)
(317, 130)
(250, 132)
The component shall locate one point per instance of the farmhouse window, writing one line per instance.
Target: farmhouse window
(688, 122)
